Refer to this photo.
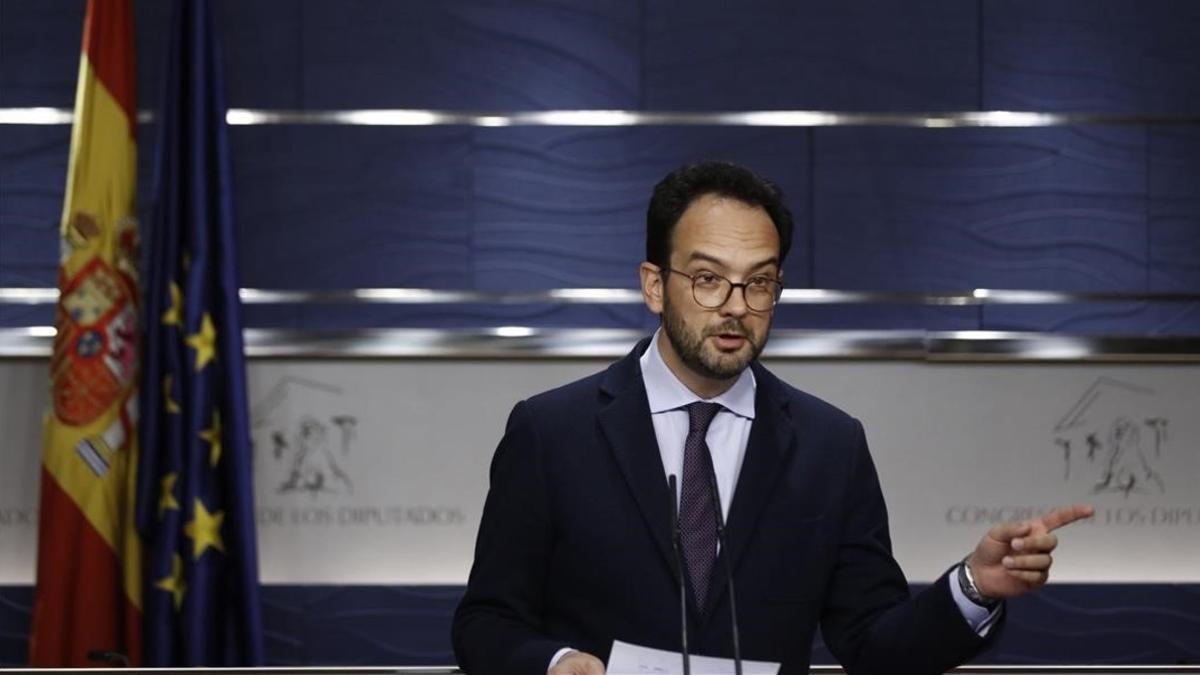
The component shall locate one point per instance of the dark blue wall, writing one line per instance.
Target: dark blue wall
(377, 626)
(1088, 208)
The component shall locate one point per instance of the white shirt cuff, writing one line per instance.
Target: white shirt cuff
(558, 655)
(980, 619)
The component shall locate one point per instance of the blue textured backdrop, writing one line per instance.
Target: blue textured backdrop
(1113, 208)
(1097, 208)
(374, 625)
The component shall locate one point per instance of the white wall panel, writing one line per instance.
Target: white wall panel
(375, 471)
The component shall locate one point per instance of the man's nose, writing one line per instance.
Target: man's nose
(735, 304)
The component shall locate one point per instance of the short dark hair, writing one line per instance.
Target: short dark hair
(676, 192)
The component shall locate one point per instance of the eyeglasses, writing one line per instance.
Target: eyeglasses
(712, 290)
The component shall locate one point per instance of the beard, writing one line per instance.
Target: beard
(701, 356)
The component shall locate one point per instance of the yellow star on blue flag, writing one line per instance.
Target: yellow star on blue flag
(204, 342)
(195, 503)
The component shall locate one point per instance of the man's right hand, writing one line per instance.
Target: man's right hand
(578, 663)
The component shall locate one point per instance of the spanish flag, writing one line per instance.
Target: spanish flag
(89, 568)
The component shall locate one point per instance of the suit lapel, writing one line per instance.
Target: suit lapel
(626, 426)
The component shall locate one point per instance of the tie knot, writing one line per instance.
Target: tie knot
(700, 415)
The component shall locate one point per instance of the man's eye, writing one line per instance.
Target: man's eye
(758, 282)
(707, 278)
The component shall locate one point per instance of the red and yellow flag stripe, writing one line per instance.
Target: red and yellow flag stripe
(89, 575)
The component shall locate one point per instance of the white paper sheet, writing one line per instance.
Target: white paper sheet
(628, 659)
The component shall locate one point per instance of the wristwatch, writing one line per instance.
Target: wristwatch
(967, 584)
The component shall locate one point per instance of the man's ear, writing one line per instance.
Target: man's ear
(652, 286)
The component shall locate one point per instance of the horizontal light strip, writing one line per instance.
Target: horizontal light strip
(429, 296)
(978, 296)
(626, 296)
(28, 296)
(528, 342)
(453, 670)
(413, 117)
(36, 116)
(52, 116)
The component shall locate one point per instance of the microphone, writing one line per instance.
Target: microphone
(676, 535)
(716, 496)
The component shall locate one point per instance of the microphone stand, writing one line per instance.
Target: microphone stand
(676, 535)
(716, 496)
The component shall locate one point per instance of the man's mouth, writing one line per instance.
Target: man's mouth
(729, 341)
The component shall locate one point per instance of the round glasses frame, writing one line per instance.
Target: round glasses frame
(711, 290)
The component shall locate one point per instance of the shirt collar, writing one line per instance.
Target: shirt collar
(665, 391)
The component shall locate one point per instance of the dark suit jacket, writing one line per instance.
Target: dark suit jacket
(575, 543)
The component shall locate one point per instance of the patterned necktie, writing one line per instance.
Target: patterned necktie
(697, 517)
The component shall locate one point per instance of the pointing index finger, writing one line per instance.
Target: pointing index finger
(1006, 532)
(1066, 515)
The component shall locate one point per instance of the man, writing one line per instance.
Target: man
(575, 548)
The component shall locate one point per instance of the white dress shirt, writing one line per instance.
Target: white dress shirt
(728, 434)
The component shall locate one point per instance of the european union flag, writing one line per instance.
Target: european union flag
(195, 503)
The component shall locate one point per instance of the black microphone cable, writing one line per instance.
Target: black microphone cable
(676, 535)
(716, 497)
